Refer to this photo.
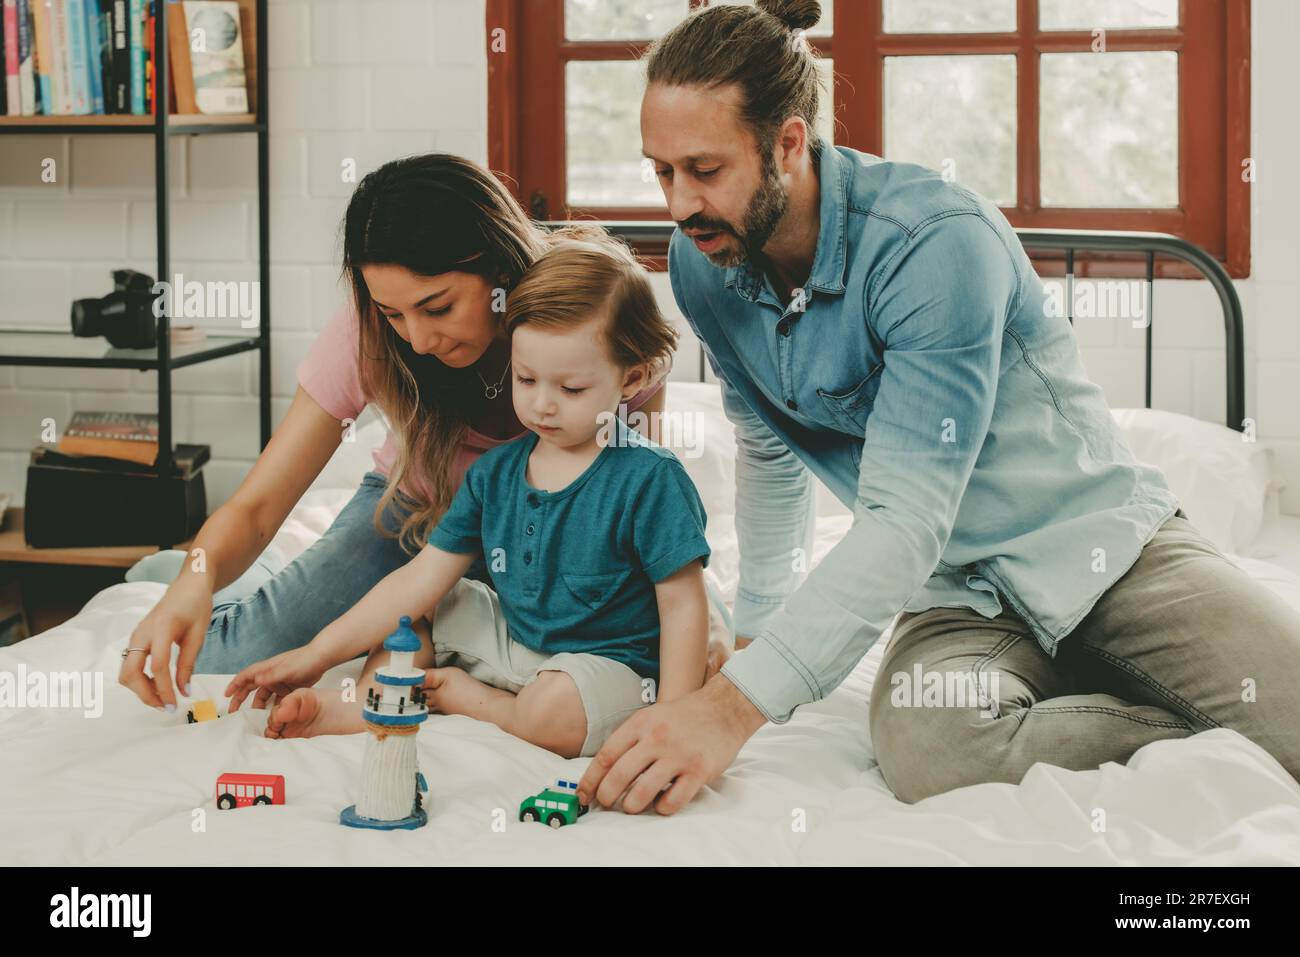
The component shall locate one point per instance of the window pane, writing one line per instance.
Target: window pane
(603, 133)
(1109, 129)
(824, 28)
(621, 19)
(957, 115)
(602, 102)
(1106, 14)
(949, 16)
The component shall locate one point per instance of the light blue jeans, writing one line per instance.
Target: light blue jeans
(274, 607)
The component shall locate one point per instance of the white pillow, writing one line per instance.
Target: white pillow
(1221, 480)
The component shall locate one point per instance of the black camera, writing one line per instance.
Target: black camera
(124, 317)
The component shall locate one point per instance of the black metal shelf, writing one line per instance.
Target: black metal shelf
(45, 347)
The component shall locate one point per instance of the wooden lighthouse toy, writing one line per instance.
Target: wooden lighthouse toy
(391, 781)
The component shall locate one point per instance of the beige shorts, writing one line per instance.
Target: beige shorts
(470, 632)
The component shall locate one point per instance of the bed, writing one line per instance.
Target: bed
(134, 786)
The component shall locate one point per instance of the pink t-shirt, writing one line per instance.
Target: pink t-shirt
(329, 375)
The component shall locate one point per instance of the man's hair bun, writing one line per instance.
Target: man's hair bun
(795, 14)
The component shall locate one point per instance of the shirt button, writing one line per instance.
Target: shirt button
(529, 529)
(532, 500)
(792, 404)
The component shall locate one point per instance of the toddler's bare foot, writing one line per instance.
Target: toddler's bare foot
(306, 712)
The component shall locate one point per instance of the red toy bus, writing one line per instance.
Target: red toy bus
(241, 790)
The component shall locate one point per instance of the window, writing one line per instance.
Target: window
(1072, 114)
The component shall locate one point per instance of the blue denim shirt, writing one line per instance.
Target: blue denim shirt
(921, 379)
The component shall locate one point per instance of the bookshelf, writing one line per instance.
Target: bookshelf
(43, 347)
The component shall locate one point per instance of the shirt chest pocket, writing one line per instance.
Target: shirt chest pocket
(595, 591)
(849, 410)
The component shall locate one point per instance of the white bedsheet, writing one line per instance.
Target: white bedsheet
(123, 788)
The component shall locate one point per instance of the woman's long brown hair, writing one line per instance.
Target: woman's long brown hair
(430, 214)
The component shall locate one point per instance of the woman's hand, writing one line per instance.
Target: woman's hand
(180, 618)
(278, 675)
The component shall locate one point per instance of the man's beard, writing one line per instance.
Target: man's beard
(763, 214)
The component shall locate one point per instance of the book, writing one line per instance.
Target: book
(150, 90)
(105, 48)
(74, 50)
(121, 98)
(43, 58)
(178, 50)
(135, 37)
(12, 98)
(62, 60)
(26, 73)
(127, 436)
(93, 55)
(217, 56)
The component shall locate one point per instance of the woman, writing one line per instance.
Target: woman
(431, 245)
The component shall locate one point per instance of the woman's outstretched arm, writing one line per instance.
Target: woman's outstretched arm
(227, 544)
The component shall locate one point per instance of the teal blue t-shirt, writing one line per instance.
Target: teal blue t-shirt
(575, 569)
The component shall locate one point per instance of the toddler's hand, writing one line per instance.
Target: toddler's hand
(279, 675)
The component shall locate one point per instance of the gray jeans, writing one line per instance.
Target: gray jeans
(1183, 642)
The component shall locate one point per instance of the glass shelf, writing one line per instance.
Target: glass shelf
(44, 347)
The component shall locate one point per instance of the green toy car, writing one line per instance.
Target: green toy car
(556, 806)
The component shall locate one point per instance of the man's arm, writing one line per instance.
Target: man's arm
(941, 314)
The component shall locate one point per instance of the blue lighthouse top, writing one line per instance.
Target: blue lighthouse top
(404, 638)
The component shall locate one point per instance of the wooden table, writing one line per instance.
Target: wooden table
(57, 582)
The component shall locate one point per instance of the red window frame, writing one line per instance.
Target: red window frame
(526, 106)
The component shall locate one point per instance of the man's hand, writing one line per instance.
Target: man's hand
(684, 743)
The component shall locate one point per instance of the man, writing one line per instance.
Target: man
(884, 330)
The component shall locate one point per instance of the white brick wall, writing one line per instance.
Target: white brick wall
(368, 81)
(410, 75)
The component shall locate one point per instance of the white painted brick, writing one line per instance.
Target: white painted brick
(471, 144)
(124, 164)
(287, 351)
(459, 32)
(1172, 381)
(25, 163)
(320, 99)
(199, 230)
(1119, 374)
(363, 152)
(290, 35)
(329, 291)
(384, 32)
(288, 164)
(223, 163)
(7, 248)
(1279, 399)
(1287, 456)
(229, 375)
(35, 294)
(306, 231)
(24, 413)
(1278, 319)
(290, 297)
(408, 98)
(228, 423)
(84, 229)
(107, 380)
(1211, 379)
(13, 475)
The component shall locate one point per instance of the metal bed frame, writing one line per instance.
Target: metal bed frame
(1148, 245)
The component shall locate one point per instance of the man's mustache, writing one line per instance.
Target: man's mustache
(703, 224)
